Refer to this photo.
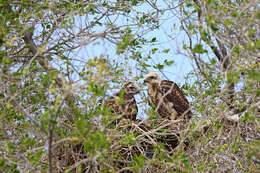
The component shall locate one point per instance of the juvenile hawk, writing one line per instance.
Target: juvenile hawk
(167, 98)
(123, 103)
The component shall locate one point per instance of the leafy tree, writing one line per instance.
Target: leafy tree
(51, 119)
(223, 41)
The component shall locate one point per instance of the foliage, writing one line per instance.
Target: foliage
(51, 85)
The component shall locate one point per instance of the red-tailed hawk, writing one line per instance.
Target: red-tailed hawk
(123, 103)
(167, 98)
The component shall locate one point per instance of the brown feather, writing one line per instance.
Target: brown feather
(123, 103)
(169, 100)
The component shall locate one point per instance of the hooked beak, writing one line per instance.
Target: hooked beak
(145, 80)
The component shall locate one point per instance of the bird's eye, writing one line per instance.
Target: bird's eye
(132, 88)
(152, 77)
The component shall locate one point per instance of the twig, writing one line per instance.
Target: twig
(77, 164)
(145, 134)
(18, 105)
(124, 169)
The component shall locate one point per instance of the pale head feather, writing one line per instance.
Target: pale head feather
(131, 88)
(152, 78)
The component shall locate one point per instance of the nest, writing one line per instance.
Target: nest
(148, 139)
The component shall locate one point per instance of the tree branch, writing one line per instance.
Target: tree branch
(69, 97)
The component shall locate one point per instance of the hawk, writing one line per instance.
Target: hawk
(167, 98)
(123, 103)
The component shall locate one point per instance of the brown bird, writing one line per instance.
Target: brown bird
(123, 103)
(167, 98)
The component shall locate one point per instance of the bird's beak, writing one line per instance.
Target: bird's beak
(145, 80)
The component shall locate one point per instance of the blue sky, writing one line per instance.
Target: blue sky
(168, 36)
(169, 27)
(182, 64)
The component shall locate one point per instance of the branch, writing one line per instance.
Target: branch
(50, 146)
(221, 55)
(53, 145)
(51, 129)
(18, 105)
(145, 134)
(209, 81)
(47, 67)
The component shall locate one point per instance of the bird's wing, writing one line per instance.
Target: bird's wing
(174, 95)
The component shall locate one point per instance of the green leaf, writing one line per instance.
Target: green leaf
(154, 50)
(1, 42)
(228, 23)
(254, 75)
(198, 48)
(153, 40)
(251, 31)
(11, 147)
(168, 63)
(159, 66)
(139, 162)
(213, 61)
(166, 50)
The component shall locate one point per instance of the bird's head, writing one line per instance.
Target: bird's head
(152, 78)
(131, 88)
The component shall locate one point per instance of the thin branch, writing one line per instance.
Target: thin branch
(18, 105)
